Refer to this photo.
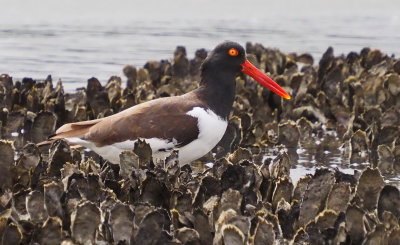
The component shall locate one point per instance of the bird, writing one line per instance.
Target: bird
(192, 123)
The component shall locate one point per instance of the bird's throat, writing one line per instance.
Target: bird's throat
(219, 92)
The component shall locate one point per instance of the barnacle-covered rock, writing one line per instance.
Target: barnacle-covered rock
(195, 63)
(155, 72)
(306, 132)
(84, 222)
(154, 228)
(43, 125)
(143, 151)
(154, 192)
(114, 91)
(389, 200)
(231, 139)
(230, 199)
(377, 236)
(283, 190)
(188, 236)
(288, 134)
(301, 237)
(6, 86)
(232, 235)
(29, 157)
(60, 154)
(11, 234)
(121, 222)
(7, 160)
(52, 199)
(394, 237)
(13, 126)
(97, 97)
(35, 206)
(231, 228)
(359, 147)
(233, 177)
(305, 58)
(131, 73)
(239, 155)
(368, 188)
(301, 187)
(315, 196)
(180, 65)
(385, 159)
(322, 228)
(355, 224)
(287, 216)
(280, 166)
(388, 134)
(51, 231)
(339, 197)
(202, 226)
(129, 161)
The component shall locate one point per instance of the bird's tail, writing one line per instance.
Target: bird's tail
(69, 130)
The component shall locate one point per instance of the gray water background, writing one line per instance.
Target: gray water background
(75, 40)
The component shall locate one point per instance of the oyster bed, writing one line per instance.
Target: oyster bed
(239, 194)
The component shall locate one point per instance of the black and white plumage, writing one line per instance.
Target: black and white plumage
(193, 123)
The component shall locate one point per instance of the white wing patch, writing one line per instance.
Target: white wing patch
(111, 152)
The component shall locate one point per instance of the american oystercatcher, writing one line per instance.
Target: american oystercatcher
(193, 123)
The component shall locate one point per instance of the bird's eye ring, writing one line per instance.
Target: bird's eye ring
(233, 52)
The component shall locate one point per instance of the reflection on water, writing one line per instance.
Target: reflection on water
(306, 160)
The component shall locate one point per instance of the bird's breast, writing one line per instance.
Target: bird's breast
(211, 126)
(211, 130)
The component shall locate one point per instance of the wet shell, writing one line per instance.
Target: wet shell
(368, 188)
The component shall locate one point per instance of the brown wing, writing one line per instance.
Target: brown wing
(74, 129)
(164, 118)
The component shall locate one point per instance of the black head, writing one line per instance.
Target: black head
(218, 77)
(226, 57)
(226, 61)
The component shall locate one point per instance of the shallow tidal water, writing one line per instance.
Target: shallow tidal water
(306, 161)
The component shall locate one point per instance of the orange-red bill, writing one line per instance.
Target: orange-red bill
(261, 78)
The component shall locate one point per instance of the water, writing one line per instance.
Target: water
(75, 40)
(307, 160)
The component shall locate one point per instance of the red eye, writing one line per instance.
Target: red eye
(233, 52)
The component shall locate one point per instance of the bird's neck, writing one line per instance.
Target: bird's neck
(218, 91)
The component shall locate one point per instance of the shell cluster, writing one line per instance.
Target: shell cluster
(234, 195)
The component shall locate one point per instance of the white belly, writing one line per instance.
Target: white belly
(211, 129)
(112, 152)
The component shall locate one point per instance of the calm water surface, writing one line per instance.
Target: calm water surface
(306, 161)
(75, 40)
